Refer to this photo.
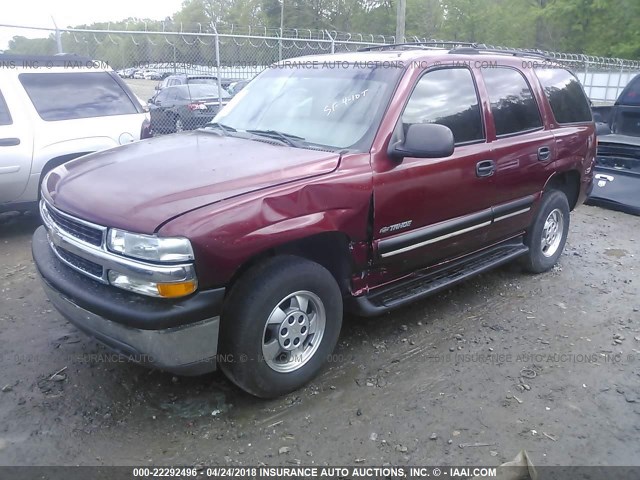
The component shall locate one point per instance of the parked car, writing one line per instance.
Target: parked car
(235, 87)
(151, 75)
(127, 72)
(183, 79)
(365, 187)
(185, 107)
(139, 74)
(51, 115)
(617, 168)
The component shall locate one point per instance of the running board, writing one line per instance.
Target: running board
(424, 283)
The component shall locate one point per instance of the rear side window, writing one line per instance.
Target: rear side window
(67, 96)
(631, 94)
(512, 103)
(5, 116)
(447, 97)
(566, 96)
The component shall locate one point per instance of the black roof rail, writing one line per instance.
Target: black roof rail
(477, 49)
(460, 48)
(431, 43)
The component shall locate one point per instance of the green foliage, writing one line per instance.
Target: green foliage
(595, 27)
(32, 46)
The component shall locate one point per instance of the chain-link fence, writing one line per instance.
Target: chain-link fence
(230, 54)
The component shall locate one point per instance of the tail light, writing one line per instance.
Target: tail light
(196, 106)
(145, 131)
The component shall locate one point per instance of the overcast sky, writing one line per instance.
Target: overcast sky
(38, 13)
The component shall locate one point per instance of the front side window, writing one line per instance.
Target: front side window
(163, 96)
(447, 97)
(565, 94)
(513, 105)
(67, 96)
(5, 116)
(340, 108)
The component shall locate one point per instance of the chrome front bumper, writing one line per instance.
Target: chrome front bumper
(186, 350)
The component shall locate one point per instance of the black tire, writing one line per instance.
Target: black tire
(179, 125)
(252, 301)
(537, 260)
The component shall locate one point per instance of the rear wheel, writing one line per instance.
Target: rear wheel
(280, 322)
(548, 234)
(179, 125)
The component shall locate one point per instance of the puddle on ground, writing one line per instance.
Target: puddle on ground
(615, 252)
(211, 405)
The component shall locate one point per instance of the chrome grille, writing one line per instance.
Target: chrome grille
(81, 231)
(80, 263)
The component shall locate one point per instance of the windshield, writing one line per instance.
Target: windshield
(338, 107)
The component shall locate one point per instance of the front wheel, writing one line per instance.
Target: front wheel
(179, 125)
(548, 234)
(280, 322)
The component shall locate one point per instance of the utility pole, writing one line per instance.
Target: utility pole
(281, 29)
(58, 39)
(400, 20)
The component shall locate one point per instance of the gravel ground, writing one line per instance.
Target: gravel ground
(504, 362)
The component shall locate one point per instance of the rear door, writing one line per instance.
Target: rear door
(522, 149)
(16, 148)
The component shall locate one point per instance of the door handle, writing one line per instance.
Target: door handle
(485, 168)
(544, 154)
(9, 142)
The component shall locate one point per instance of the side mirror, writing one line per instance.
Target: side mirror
(424, 140)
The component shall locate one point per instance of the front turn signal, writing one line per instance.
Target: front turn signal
(178, 289)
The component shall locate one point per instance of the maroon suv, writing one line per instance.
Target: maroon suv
(362, 181)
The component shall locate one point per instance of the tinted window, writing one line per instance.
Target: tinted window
(512, 104)
(162, 96)
(65, 96)
(194, 90)
(447, 97)
(5, 116)
(565, 94)
(631, 94)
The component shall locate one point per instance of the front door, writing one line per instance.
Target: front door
(431, 210)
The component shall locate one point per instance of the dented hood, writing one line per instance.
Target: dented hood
(139, 186)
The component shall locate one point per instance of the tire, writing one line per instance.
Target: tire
(548, 233)
(179, 125)
(264, 319)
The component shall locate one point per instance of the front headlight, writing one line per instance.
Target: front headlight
(149, 247)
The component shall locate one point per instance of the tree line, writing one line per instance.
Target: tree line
(594, 27)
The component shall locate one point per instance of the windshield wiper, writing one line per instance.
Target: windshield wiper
(291, 140)
(225, 128)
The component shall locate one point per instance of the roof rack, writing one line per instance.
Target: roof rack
(469, 48)
(408, 45)
(477, 49)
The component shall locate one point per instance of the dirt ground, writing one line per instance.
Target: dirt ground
(504, 362)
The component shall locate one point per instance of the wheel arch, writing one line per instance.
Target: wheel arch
(568, 182)
(329, 249)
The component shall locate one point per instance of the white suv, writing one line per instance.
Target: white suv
(54, 109)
